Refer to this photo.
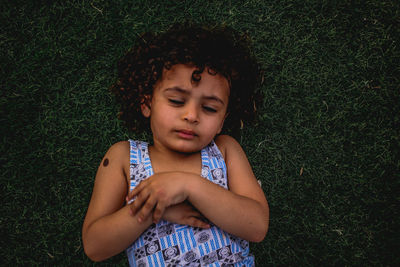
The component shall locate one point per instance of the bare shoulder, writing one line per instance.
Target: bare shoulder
(228, 145)
(224, 139)
(240, 173)
(117, 157)
(119, 149)
(115, 160)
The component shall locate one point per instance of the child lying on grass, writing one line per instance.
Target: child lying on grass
(190, 197)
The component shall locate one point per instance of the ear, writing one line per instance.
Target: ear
(145, 106)
(222, 124)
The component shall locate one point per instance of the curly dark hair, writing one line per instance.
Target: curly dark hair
(219, 49)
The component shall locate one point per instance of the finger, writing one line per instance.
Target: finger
(129, 200)
(136, 190)
(199, 219)
(146, 209)
(138, 202)
(158, 212)
(193, 212)
(196, 222)
(196, 214)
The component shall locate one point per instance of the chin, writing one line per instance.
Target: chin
(188, 149)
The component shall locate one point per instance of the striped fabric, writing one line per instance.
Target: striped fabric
(168, 244)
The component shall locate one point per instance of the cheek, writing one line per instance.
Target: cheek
(160, 120)
(215, 125)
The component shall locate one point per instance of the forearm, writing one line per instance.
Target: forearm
(112, 234)
(240, 215)
(235, 214)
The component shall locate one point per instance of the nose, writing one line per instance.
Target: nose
(191, 113)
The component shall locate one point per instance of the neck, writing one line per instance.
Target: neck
(164, 160)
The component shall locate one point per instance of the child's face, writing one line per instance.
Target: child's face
(186, 115)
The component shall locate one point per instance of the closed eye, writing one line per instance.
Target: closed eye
(176, 101)
(209, 109)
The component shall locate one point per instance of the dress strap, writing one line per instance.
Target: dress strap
(213, 165)
(140, 166)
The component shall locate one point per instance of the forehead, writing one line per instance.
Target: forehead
(181, 76)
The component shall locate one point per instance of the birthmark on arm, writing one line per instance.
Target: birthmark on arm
(105, 162)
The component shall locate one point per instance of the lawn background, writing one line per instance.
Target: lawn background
(326, 146)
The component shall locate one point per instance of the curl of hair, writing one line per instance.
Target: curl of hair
(220, 49)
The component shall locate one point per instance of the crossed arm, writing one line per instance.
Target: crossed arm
(242, 210)
(110, 227)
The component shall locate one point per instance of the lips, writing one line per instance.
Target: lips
(186, 134)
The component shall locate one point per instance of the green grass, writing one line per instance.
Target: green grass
(326, 146)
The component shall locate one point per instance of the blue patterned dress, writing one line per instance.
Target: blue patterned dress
(169, 244)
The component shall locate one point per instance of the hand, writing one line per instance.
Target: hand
(186, 214)
(157, 193)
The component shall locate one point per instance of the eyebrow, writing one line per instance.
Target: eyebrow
(177, 89)
(186, 92)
